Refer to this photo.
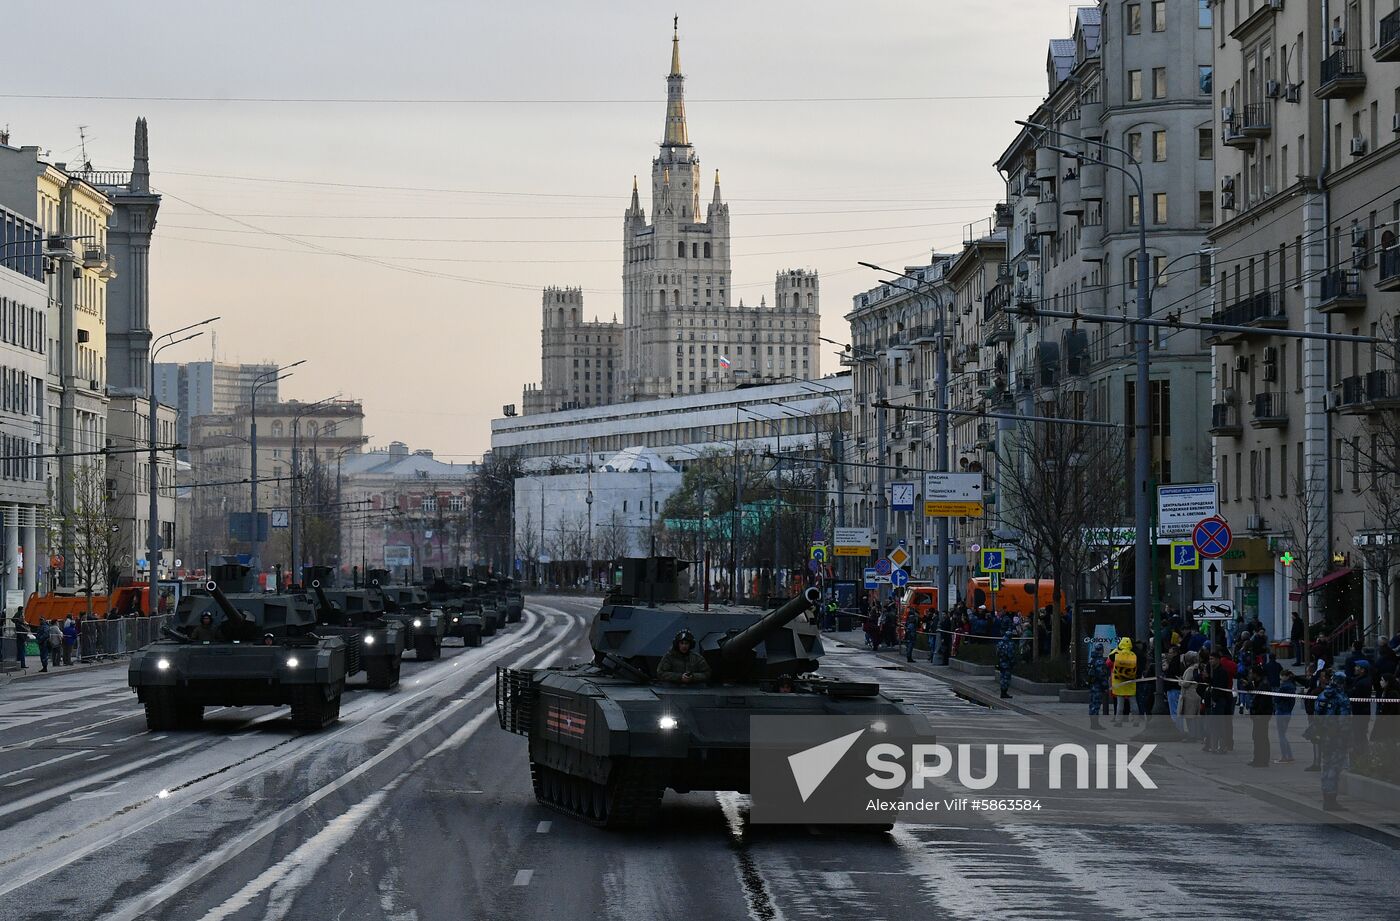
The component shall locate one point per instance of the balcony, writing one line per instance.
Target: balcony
(1383, 389)
(1342, 75)
(1270, 410)
(1091, 181)
(1025, 297)
(1003, 215)
(1225, 419)
(1389, 47)
(1256, 121)
(1070, 199)
(1262, 312)
(94, 258)
(1232, 133)
(1389, 277)
(918, 334)
(1341, 291)
(997, 328)
(1351, 396)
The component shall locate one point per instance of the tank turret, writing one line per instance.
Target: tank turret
(736, 649)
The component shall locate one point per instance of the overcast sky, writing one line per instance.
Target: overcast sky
(403, 244)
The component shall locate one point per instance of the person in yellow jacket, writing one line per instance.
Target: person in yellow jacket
(1124, 671)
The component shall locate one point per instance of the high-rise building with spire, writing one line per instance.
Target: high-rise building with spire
(682, 330)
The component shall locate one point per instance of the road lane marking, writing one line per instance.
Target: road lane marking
(543, 828)
(100, 757)
(40, 764)
(522, 877)
(16, 783)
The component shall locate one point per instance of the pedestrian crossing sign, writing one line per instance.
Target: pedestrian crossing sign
(993, 560)
(1185, 555)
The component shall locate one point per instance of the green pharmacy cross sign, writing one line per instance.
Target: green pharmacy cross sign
(1287, 558)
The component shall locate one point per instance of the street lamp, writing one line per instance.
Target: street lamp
(262, 380)
(153, 475)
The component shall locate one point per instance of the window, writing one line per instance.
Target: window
(1205, 208)
(1134, 145)
(1159, 147)
(1205, 75)
(1205, 143)
(1134, 210)
(1159, 270)
(1159, 207)
(1134, 18)
(1204, 17)
(429, 504)
(1131, 272)
(1159, 16)
(1134, 86)
(1159, 83)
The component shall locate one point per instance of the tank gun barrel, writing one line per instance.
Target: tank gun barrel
(742, 643)
(222, 601)
(322, 601)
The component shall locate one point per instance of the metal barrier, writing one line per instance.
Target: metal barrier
(98, 640)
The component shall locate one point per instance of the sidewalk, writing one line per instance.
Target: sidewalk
(12, 672)
(1285, 785)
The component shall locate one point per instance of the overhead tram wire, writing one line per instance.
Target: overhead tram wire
(516, 101)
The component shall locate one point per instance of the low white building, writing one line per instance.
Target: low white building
(600, 514)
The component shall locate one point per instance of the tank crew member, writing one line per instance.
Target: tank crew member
(204, 632)
(682, 664)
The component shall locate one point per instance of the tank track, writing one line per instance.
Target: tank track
(630, 799)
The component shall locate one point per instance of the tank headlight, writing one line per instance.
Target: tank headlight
(369, 639)
(292, 662)
(417, 622)
(456, 620)
(163, 664)
(667, 722)
(879, 726)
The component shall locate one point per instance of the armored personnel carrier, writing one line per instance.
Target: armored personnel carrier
(373, 644)
(424, 626)
(608, 737)
(461, 604)
(252, 650)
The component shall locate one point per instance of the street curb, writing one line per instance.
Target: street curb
(1378, 833)
(34, 674)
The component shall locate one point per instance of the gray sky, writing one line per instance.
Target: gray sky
(434, 321)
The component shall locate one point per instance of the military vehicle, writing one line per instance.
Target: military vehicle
(607, 738)
(265, 653)
(373, 644)
(424, 626)
(462, 606)
(515, 602)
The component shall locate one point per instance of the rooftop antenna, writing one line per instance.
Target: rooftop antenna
(82, 147)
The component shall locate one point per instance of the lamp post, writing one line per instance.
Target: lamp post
(262, 380)
(153, 475)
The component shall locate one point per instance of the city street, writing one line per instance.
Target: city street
(416, 805)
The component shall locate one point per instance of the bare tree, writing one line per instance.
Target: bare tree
(1306, 532)
(1057, 484)
(610, 539)
(1379, 539)
(96, 544)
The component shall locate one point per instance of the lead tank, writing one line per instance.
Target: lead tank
(607, 739)
(264, 652)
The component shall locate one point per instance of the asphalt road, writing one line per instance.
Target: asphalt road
(417, 806)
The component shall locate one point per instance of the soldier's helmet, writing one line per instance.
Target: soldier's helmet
(683, 636)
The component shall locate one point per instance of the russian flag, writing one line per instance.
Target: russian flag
(724, 362)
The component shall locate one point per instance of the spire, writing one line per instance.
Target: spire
(636, 207)
(717, 199)
(140, 160)
(676, 134)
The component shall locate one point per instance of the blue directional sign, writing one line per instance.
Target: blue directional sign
(883, 566)
(872, 578)
(899, 578)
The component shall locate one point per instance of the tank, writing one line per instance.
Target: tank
(265, 653)
(424, 626)
(373, 644)
(461, 604)
(607, 739)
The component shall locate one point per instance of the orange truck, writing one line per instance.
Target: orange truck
(1019, 596)
(71, 603)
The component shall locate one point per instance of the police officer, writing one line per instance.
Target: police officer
(1334, 735)
(911, 632)
(1098, 685)
(682, 664)
(1006, 658)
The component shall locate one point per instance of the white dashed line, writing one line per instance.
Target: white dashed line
(16, 783)
(100, 757)
(522, 877)
(543, 828)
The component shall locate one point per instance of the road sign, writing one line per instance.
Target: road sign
(902, 497)
(1212, 537)
(1184, 555)
(899, 556)
(953, 495)
(899, 578)
(975, 549)
(883, 566)
(1213, 610)
(872, 578)
(1180, 507)
(994, 560)
(281, 518)
(819, 553)
(852, 541)
(1212, 583)
(814, 565)
(994, 582)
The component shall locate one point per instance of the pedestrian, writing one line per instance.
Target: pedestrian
(1145, 689)
(1296, 635)
(938, 624)
(1360, 689)
(871, 624)
(1098, 685)
(1386, 730)
(1124, 677)
(1317, 680)
(1006, 658)
(41, 636)
(1334, 736)
(1190, 702)
(911, 633)
(21, 638)
(1171, 674)
(69, 639)
(1261, 711)
(1218, 700)
(1283, 712)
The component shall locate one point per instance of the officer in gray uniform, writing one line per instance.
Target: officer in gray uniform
(1098, 685)
(1333, 732)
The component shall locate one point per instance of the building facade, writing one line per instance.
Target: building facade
(1307, 154)
(683, 331)
(128, 485)
(203, 388)
(580, 358)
